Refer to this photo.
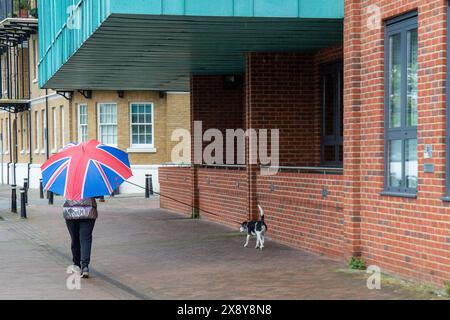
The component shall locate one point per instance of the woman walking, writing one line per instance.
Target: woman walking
(80, 220)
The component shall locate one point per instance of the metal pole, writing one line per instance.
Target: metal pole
(16, 148)
(151, 185)
(23, 205)
(13, 199)
(25, 186)
(41, 189)
(50, 197)
(147, 186)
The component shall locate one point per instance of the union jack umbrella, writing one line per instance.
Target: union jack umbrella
(86, 170)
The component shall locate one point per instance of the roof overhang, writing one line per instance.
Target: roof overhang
(159, 44)
(14, 106)
(143, 52)
(15, 31)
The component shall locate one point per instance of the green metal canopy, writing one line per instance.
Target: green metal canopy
(148, 44)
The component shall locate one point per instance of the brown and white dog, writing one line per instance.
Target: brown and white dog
(255, 228)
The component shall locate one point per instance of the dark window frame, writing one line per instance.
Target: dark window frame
(337, 139)
(399, 25)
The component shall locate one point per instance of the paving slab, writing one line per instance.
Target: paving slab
(143, 252)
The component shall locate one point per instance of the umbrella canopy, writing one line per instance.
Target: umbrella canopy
(86, 170)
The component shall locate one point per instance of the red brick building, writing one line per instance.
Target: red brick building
(356, 88)
(389, 201)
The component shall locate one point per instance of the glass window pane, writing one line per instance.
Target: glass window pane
(412, 78)
(329, 153)
(329, 101)
(395, 163)
(411, 163)
(395, 79)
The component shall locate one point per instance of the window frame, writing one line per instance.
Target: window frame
(54, 129)
(336, 139)
(400, 25)
(22, 145)
(80, 139)
(116, 124)
(37, 125)
(142, 146)
(62, 127)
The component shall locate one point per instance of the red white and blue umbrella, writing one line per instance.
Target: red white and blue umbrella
(86, 170)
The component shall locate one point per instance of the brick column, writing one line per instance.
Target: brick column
(252, 169)
(352, 127)
(194, 142)
(217, 105)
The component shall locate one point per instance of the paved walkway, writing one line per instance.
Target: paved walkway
(142, 252)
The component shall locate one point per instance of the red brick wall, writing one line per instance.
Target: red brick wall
(176, 183)
(281, 96)
(216, 105)
(223, 195)
(410, 237)
(298, 214)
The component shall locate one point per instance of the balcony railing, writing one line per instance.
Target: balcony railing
(18, 9)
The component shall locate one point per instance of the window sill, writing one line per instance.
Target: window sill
(142, 150)
(399, 194)
(35, 81)
(37, 151)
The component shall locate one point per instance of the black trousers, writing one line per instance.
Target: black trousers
(81, 235)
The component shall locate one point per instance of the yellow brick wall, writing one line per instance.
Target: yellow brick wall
(178, 117)
(171, 111)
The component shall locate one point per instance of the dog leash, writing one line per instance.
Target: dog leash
(181, 202)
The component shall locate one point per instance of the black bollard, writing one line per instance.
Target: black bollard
(25, 186)
(151, 185)
(41, 189)
(23, 205)
(50, 197)
(148, 186)
(13, 199)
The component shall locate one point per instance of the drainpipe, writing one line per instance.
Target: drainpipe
(10, 146)
(1, 96)
(1, 141)
(16, 149)
(47, 150)
(29, 113)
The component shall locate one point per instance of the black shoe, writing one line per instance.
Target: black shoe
(85, 273)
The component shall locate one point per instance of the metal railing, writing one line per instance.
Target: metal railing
(312, 170)
(18, 9)
(175, 165)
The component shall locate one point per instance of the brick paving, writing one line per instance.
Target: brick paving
(143, 252)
